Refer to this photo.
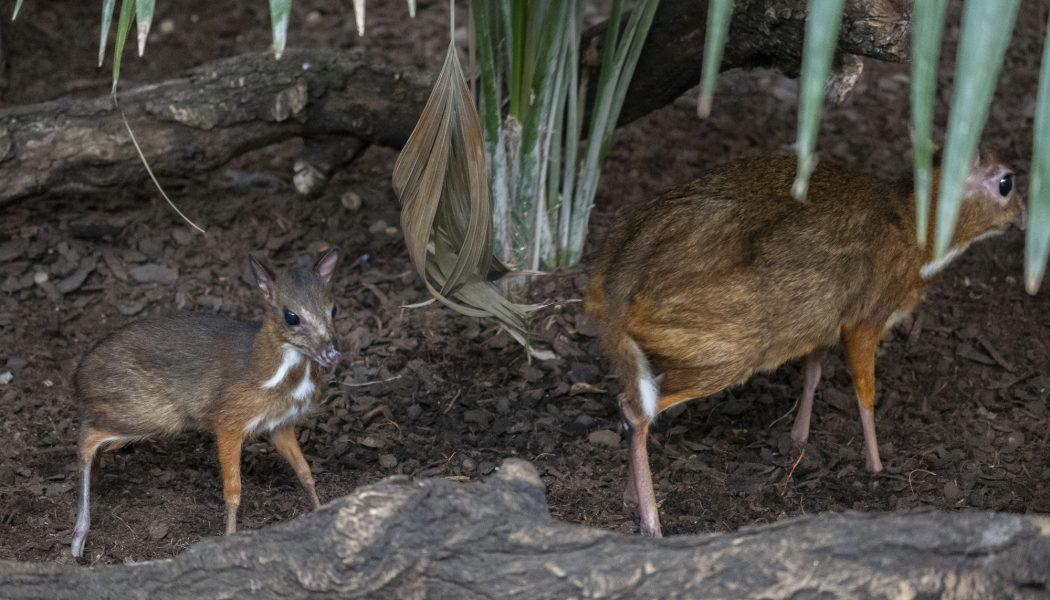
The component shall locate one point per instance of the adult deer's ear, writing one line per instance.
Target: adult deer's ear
(264, 278)
(325, 265)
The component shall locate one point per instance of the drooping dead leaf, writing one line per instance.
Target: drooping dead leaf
(441, 181)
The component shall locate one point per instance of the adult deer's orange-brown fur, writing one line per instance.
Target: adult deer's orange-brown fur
(695, 290)
(158, 377)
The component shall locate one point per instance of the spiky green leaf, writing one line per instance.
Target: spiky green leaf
(544, 172)
(516, 31)
(280, 11)
(927, 25)
(18, 7)
(718, 14)
(143, 20)
(619, 58)
(127, 9)
(486, 42)
(986, 28)
(107, 20)
(359, 16)
(574, 110)
(1037, 243)
(822, 32)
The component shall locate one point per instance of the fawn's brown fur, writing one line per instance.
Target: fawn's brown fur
(158, 377)
(697, 289)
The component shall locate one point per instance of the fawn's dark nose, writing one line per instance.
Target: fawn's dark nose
(330, 356)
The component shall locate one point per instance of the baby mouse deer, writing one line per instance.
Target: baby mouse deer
(697, 289)
(234, 378)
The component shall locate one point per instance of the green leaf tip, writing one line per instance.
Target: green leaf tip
(822, 31)
(280, 10)
(143, 19)
(719, 13)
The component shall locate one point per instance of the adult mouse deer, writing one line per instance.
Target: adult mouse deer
(697, 289)
(234, 378)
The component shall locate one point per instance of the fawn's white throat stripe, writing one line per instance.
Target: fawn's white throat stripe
(291, 358)
(305, 389)
(301, 393)
(260, 423)
(648, 390)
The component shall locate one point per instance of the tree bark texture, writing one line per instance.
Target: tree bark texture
(495, 539)
(218, 111)
(762, 33)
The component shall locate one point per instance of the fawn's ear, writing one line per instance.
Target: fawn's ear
(325, 265)
(264, 278)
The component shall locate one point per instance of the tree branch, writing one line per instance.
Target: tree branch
(439, 539)
(216, 112)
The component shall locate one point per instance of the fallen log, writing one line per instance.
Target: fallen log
(495, 539)
(218, 111)
(200, 121)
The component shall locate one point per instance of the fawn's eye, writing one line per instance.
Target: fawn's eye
(291, 318)
(334, 311)
(1006, 184)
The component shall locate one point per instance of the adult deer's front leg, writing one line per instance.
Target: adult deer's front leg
(861, 343)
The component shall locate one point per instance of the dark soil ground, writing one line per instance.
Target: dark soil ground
(963, 413)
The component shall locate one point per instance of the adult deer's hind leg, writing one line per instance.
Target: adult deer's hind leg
(810, 379)
(639, 489)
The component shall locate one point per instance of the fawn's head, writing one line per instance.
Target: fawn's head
(301, 305)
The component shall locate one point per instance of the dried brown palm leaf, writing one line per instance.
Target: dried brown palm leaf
(441, 182)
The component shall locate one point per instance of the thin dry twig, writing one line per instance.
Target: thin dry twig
(791, 473)
(912, 472)
(452, 402)
(784, 416)
(364, 383)
(380, 296)
(149, 170)
(998, 358)
(374, 411)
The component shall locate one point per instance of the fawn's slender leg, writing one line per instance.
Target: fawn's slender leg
(90, 440)
(810, 379)
(287, 445)
(229, 444)
(861, 343)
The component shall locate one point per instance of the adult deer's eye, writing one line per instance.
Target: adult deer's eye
(291, 318)
(1006, 184)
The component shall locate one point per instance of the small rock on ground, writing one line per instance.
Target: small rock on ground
(604, 437)
(153, 273)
